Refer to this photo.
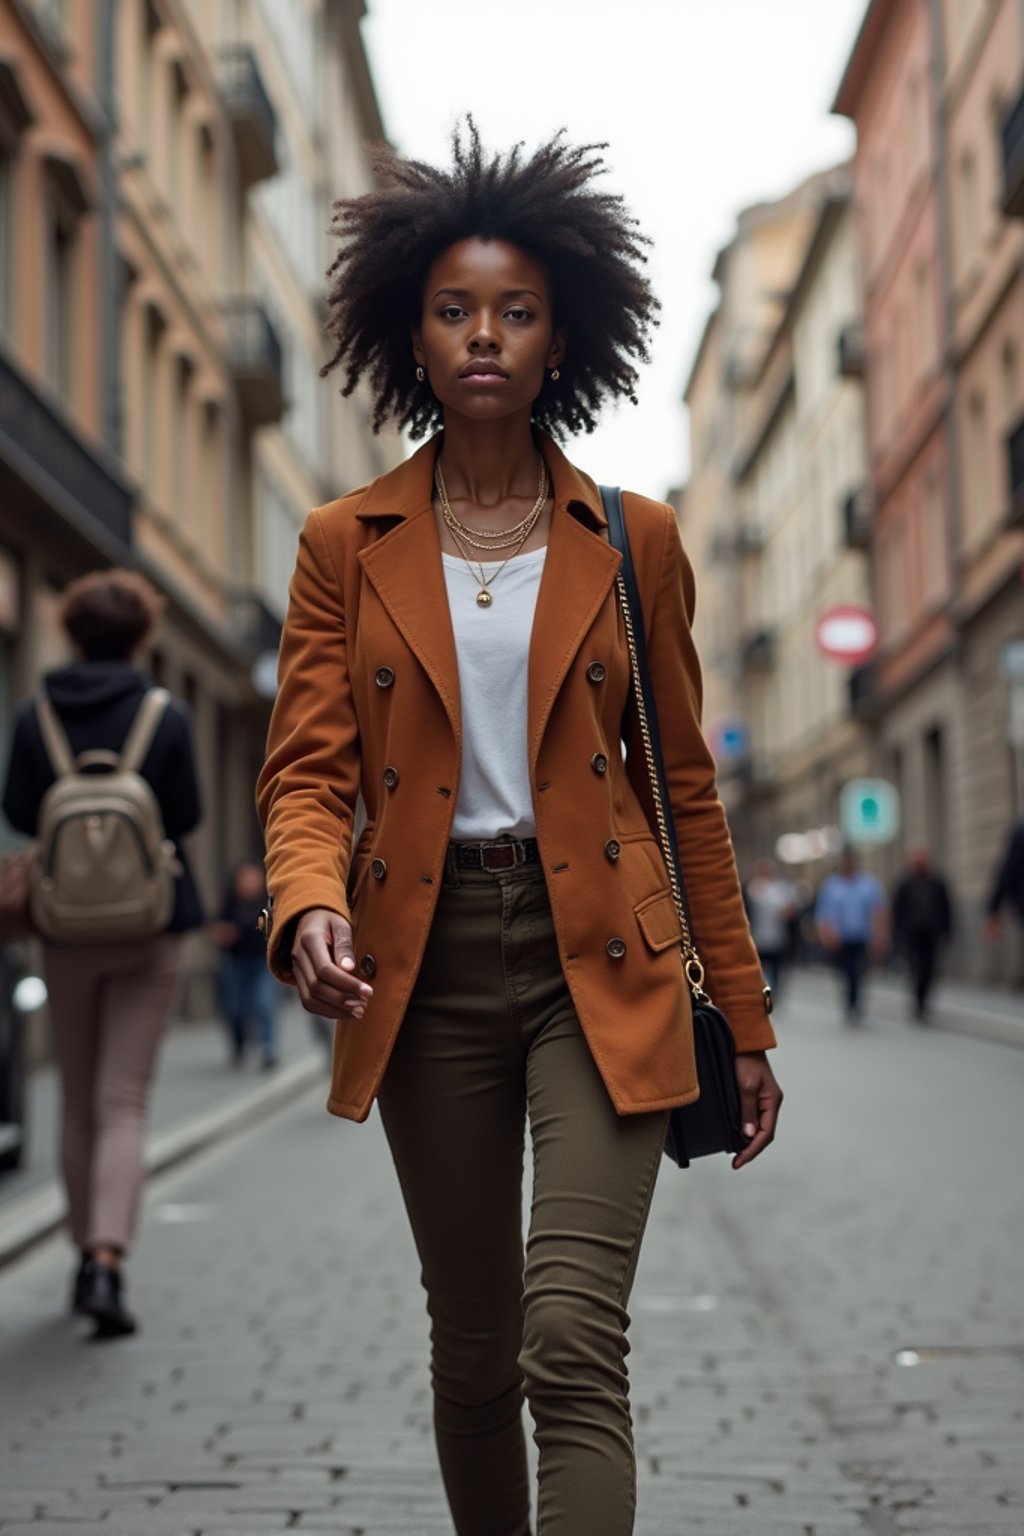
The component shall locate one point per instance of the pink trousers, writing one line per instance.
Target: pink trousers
(109, 1007)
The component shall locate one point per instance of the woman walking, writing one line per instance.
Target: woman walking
(109, 1002)
(501, 946)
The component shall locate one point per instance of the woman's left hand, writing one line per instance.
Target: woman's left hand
(760, 1100)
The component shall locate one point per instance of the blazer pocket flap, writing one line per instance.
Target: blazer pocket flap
(659, 921)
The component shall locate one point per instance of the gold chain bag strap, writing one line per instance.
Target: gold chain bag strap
(713, 1122)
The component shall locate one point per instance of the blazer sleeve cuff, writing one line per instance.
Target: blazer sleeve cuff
(749, 1024)
(286, 911)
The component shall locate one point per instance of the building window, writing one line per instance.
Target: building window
(208, 490)
(149, 26)
(934, 537)
(924, 339)
(179, 508)
(6, 230)
(59, 300)
(979, 488)
(935, 795)
(208, 203)
(969, 213)
(178, 95)
(1010, 377)
(154, 329)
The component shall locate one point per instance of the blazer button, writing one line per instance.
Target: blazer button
(368, 965)
(390, 777)
(613, 848)
(378, 869)
(384, 677)
(616, 948)
(595, 672)
(599, 763)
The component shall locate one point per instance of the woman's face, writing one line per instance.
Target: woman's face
(487, 331)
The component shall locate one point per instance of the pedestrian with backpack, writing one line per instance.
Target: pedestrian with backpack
(102, 775)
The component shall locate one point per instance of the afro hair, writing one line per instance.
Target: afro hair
(546, 204)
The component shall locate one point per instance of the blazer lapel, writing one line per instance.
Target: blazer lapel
(404, 567)
(578, 573)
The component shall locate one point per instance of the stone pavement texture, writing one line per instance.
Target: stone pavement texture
(279, 1383)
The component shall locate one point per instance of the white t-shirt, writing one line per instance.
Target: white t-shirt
(493, 647)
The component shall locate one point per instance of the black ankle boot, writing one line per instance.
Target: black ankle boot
(80, 1284)
(103, 1301)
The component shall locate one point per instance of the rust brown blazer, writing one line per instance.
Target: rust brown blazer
(369, 701)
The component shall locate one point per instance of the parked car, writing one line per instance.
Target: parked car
(21, 993)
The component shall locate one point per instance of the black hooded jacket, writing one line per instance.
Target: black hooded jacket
(96, 702)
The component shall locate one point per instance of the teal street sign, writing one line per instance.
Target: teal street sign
(869, 812)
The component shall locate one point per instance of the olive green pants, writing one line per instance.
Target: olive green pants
(491, 1039)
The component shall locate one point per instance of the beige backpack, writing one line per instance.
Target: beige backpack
(103, 870)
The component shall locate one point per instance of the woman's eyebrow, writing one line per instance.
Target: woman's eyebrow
(510, 293)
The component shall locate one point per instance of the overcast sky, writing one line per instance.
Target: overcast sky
(707, 106)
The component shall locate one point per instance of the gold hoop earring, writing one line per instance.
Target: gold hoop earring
(555, 375)
(420, 375)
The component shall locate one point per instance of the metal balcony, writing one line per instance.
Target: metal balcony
(757, 650)
(252, 115)
(1013, 160)
(859, 518)
(1015, 460)
(256, 361)
(851, 351)
(76, 483)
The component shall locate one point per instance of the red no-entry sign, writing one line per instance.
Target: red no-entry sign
(846, 634)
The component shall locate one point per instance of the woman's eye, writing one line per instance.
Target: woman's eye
(452, 312)
(518, 314)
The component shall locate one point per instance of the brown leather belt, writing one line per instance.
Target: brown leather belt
(506, 854)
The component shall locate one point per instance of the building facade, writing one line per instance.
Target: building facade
(752, 274)
(166, 178)
(929, 87)
(804, 525)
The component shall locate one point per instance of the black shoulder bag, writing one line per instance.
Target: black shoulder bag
(712, 1123)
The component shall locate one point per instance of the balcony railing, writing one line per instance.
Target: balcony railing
(1013, 160)
(256, 360)
(74, 480)
(253, 119)
(1015, 461)
(757, 650)
(850, 350)
(859, 518)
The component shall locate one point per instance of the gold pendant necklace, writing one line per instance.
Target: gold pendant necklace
(459, 532)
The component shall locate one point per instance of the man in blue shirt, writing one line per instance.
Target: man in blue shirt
(852, 919)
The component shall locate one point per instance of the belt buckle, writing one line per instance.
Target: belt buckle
(502, 855)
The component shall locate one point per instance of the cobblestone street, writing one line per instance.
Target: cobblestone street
(279, 1382)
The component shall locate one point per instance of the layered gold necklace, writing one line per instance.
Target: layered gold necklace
(489, 541)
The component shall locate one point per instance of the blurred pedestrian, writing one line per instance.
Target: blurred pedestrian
(851, 914)
(502, 946)
(109, 1001)
(922, 922)
(772, 908)
(1008, 885)
(247, 988)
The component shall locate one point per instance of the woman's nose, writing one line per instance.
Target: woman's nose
(485, 334)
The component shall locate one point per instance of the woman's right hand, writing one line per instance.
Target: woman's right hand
(324, 965)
